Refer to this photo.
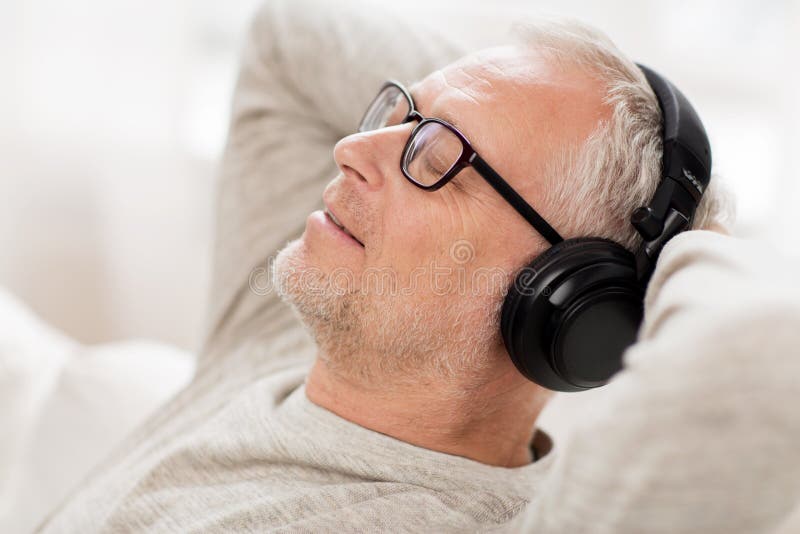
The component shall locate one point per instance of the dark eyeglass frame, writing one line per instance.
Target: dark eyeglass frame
(468, 157)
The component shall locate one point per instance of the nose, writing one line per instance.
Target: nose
(372, 156)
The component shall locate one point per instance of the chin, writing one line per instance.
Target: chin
(324, 309)
(290, 265)
(303, 280)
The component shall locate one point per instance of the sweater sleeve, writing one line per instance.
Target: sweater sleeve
(308, 70)
(700, 431)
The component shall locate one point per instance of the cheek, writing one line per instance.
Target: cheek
(405, 247)
(430, 236)
(413, 234)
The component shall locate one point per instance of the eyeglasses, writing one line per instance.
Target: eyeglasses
(436, 151)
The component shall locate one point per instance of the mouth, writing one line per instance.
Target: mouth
(339, 225)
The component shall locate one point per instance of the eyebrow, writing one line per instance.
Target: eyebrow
(445, 115)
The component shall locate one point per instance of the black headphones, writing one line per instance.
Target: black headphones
(570, 314)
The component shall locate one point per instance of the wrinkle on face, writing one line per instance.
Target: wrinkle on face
(470, 93)
(518, 109)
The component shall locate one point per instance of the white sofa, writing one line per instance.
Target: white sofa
(64, 406)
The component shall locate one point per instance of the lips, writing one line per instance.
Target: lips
(332, 217)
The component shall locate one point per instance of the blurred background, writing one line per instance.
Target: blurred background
(113, 114)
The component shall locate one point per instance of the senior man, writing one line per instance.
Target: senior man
(406, 413)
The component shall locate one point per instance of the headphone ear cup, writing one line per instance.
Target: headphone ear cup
(570, 314)
(525, 281)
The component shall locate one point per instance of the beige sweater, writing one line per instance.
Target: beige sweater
(698, 434)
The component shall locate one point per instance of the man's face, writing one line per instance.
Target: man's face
(422, 280)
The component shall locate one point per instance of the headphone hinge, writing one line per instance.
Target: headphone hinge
(647, 255)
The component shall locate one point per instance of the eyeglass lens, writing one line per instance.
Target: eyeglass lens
(390, 107)
(431, 152)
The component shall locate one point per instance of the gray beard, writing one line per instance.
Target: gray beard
(369, 335)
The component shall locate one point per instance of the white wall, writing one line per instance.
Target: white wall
(112, 113)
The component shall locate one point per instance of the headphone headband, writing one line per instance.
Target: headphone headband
(685, 174)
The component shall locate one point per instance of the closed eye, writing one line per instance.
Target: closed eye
(434, 167)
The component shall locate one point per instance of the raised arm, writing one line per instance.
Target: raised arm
(700, 432)
(308, 70)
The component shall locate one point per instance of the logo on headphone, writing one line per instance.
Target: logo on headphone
(695, 182)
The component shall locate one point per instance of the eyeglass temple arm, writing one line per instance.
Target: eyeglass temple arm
(516, 201)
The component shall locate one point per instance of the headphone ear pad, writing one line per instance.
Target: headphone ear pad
(570, 314)
(526, 279)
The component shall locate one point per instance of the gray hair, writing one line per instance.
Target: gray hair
(618, 167)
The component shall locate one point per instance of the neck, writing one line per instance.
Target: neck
(493, 423)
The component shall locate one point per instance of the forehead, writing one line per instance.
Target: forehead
(507, 100)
